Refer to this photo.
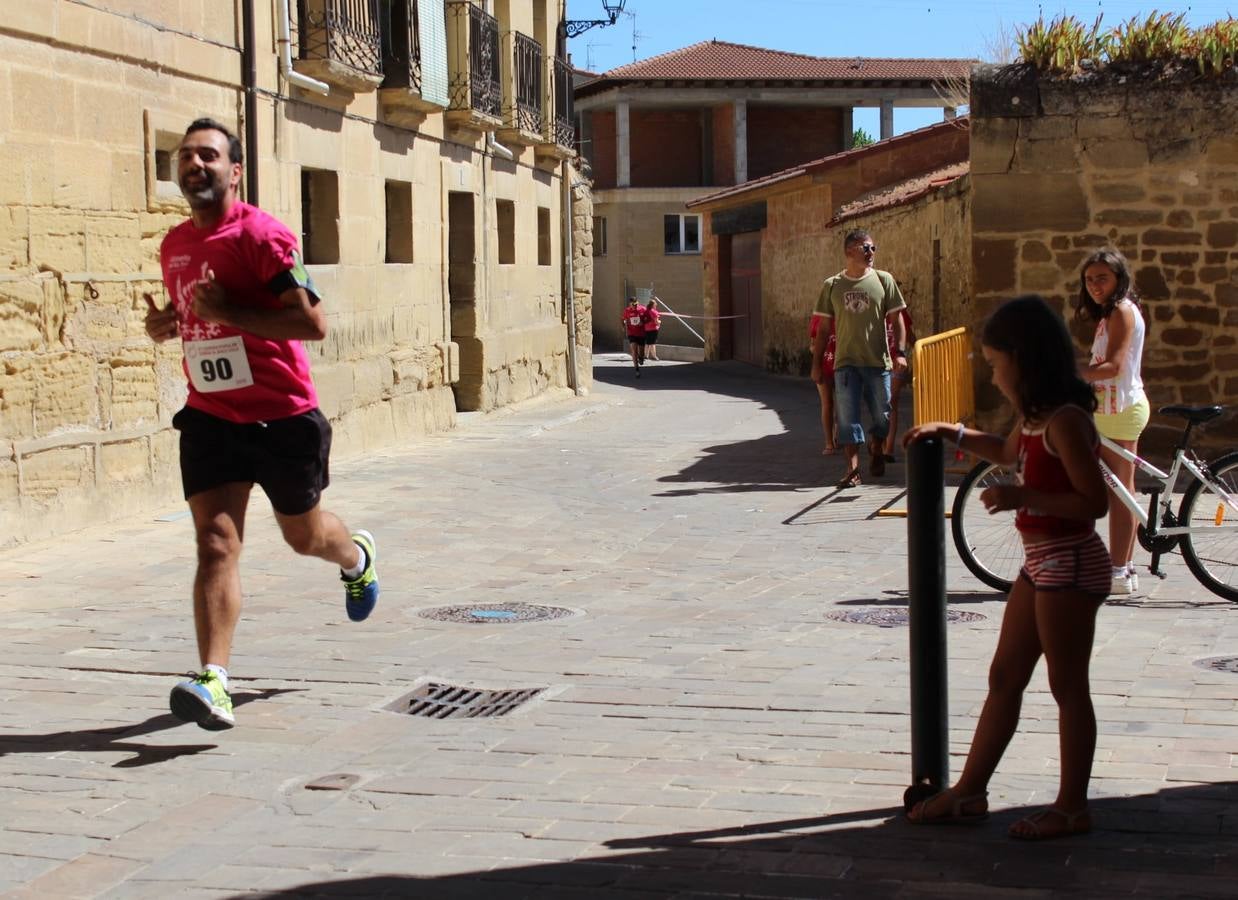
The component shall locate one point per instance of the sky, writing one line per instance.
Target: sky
(880, 28)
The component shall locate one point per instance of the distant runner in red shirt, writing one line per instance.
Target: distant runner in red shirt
(653, 322)
(634, 323)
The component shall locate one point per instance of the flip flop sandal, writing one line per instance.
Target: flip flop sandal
(955, 815)
(851, 479)
(1036, 828)
(829, 451)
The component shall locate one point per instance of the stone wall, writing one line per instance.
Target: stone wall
(1147, 163)
(91, 98)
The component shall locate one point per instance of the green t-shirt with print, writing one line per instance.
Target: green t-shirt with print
(859, 307)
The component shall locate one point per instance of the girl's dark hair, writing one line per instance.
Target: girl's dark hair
(1029, 330)
(1087, 309)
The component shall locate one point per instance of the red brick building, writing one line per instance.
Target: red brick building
(668, 130)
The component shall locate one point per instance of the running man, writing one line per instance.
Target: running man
(242, 303)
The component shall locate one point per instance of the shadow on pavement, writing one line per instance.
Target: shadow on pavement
(1179, 842)
(776, 462)
(118, 739)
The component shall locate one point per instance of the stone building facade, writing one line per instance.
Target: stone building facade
(422, 149)
(1060, 167)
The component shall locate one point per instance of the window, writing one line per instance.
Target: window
(320, 216)
(507, 231)
(399, 196)
(682, 234)
(599, 236)
(543, 236)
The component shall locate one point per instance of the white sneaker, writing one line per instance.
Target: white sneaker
(1120, 583)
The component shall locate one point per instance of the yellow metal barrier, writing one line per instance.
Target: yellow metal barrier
(943, 388)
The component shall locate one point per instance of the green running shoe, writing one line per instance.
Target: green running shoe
(203, 699)
(361, 593)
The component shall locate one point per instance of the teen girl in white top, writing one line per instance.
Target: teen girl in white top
(1105, 297)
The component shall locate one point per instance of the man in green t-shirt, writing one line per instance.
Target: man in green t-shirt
(856, 303)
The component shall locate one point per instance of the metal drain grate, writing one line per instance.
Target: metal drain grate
(496, 613)
(1227, 664)
(894, 617)
(435, 700)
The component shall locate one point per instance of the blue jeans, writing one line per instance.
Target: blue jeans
(869, 384)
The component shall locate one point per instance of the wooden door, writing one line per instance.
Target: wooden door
(745, 282)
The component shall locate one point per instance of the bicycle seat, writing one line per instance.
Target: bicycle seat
(1196, 415)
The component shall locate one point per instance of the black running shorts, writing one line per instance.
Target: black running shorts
(286, 457)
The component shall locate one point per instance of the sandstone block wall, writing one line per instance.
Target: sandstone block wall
(1149, 165)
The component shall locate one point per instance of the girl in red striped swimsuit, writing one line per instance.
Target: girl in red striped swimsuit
(1052, 607)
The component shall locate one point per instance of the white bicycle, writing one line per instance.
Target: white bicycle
(1205, 527)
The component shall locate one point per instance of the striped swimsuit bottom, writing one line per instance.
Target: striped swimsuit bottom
(1072, 563)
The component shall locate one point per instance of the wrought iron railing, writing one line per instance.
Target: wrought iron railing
(346, 31)
(528, 71)
(564, 126)
(485, 90)
(401, 44)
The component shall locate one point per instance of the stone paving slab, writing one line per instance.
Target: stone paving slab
(709, 731)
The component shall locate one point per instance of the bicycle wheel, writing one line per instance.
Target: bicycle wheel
(989, 545)
(1212, 554)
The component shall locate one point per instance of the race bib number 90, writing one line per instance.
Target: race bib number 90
(218, 365)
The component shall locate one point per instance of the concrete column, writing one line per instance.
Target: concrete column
(887, 119)
(948, 113)
(848, 127)
(740, 119)
(623, 147)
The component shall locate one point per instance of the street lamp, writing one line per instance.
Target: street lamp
(576, 27)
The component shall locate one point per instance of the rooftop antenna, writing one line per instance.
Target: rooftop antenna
(636, 35)
(589, 55)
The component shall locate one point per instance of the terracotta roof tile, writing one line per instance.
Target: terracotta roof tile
(719, 60)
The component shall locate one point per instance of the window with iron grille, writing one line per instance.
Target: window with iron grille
(485, 89)
(564, 131)
(528, 71)
(401, 44)
(346, 31)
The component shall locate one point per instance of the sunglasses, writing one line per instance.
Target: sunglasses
(868, 248)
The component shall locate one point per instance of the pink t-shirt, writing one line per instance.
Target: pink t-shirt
(653, 319)
(233, 374)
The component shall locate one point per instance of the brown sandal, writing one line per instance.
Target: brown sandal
(851, 479)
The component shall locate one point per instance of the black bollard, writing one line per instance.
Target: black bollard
(926, 570)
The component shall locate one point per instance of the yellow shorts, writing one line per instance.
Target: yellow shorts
(1126, 425)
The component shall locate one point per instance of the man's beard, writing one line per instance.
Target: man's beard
(205, 195)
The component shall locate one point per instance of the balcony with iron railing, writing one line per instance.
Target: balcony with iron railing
(558, 139)
(523, 97)
(475, 93)
(339, 42)
(412, 86)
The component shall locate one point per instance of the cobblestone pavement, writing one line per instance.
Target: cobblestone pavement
(708, 730)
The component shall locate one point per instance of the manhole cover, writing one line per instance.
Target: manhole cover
(1219, 664)
(491, 613)
(435, 700)
(894, 617)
